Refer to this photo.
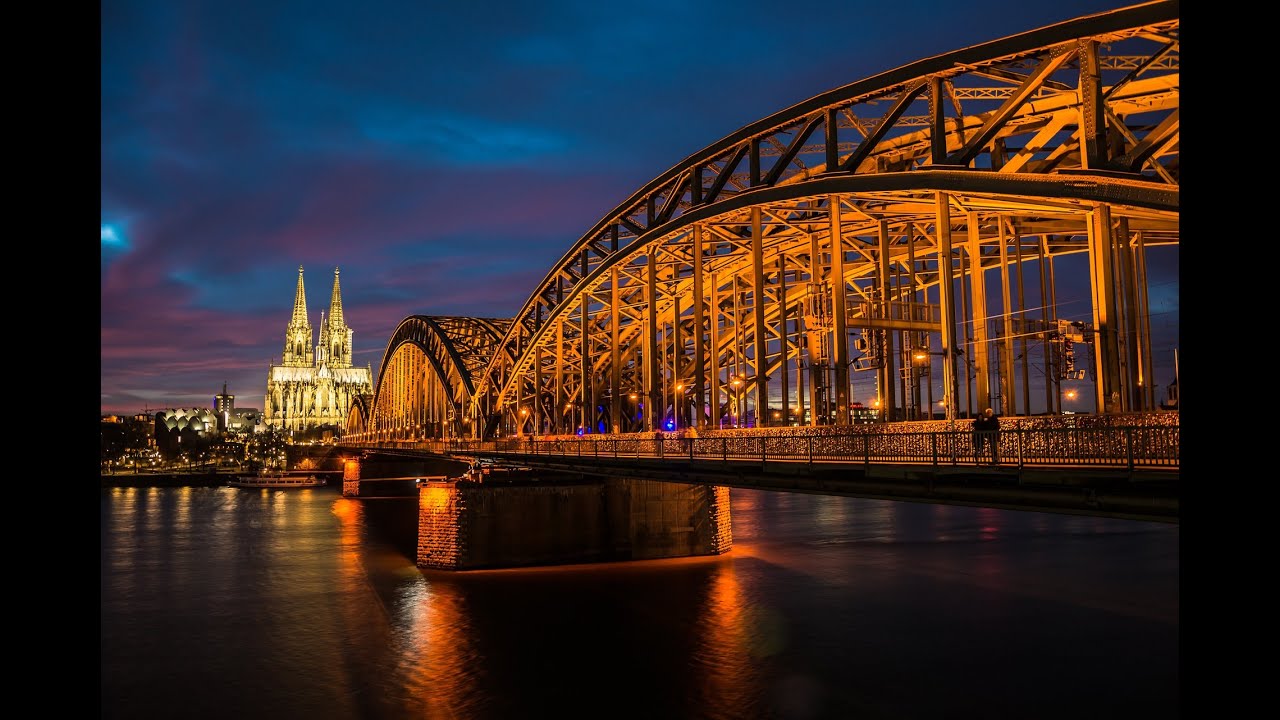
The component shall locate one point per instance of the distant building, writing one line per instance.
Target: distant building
(224, 405)
(1171, 396)
(314, 386)
(174, 427)
(197, 420)
(248, 420)
(223, 402)
(126, 439)
(861, 415)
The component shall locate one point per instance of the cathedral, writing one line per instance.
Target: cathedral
(315, 385)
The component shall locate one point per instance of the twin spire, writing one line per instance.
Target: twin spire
(300, 302)
(335, 336)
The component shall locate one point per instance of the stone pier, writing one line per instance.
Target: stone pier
(392, 476)
(351, 477)
(464, 525)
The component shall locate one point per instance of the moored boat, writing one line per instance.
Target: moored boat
(276, 479)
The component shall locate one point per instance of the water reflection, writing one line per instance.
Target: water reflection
(732, 638)
(438, 659)
(300, 604)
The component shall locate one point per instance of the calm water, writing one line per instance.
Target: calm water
(228, 603)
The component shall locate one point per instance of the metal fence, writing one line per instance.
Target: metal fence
(1104, 447)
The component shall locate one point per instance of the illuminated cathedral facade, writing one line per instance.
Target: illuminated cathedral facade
(315, 385)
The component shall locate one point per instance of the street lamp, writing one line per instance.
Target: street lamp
(675, 407)
(568, 408)
(736, 384)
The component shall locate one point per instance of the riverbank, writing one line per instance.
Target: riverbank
(178, 479)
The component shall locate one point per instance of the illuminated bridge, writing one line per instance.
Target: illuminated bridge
(914, 224)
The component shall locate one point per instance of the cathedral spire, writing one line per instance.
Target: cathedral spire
(335, 303)
(299, 303)
(336, 336)
(297, 337)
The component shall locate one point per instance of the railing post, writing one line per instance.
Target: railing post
(1018, 436)
(933, 448)
(724, 449)
(810, 447)
(761, 452)
(866, 451)
(1128, 447)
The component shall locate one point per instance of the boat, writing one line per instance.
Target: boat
(276, 479)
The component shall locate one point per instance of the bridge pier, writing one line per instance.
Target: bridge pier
(351, 477)
(464, 525)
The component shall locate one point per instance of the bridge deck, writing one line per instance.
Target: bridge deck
(1113, 490)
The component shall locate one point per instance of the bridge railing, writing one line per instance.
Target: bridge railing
(1127, 447)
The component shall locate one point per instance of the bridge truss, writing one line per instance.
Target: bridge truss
(903, 225)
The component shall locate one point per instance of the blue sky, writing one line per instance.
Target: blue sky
(442, 155)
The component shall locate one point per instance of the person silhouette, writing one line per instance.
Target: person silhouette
(986, 432)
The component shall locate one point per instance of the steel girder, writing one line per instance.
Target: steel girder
(426, 380)
(1089, 118)
(1057, 151)
(360, 414)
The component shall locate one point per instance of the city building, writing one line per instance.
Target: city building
(250, 420)
(314, 385)
(232, 419)
(181, 428)
(222, 402)
(127, 441)
(224, 405)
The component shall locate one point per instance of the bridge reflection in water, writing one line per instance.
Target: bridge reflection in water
(820, 611)
(272, 603)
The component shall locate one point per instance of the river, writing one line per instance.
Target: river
(243, 604)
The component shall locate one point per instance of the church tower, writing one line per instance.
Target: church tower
(297, 337)
(315, 385)
(335, 336)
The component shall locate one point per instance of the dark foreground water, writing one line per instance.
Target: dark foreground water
(241, 604)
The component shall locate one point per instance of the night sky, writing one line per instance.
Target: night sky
(442, 155)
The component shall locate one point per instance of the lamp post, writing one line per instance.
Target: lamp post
(524, 412)
(736, 384)
(675, 406)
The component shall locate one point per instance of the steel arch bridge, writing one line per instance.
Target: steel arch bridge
(427, 377)
(888, 226)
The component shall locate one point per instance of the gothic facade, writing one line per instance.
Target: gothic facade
(315, 385)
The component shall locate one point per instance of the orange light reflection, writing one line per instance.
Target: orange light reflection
(726, 652)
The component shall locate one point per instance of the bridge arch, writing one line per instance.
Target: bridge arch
(865, 214)
(913, 224)
(359, 415)
(426, 379)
